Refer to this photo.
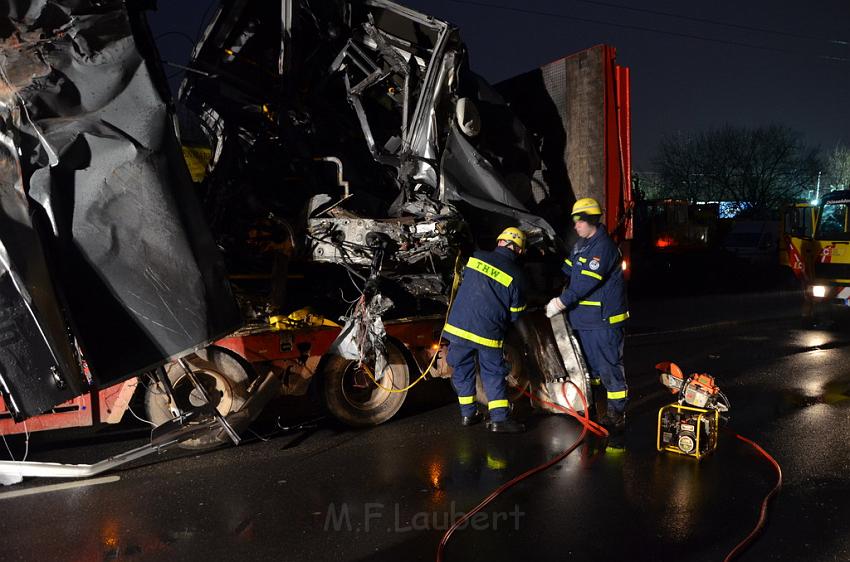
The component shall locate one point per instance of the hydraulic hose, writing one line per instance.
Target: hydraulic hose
(741, 546)
(585, 420)
(588, 425)
(599, 431)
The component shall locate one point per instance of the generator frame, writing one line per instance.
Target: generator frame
(702, 418)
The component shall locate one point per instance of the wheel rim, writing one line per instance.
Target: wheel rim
(216, 385)
(369, 395)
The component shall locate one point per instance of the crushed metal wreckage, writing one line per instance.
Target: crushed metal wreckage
(362, 131)
(107, 267)
(363, 143)
(338, 152)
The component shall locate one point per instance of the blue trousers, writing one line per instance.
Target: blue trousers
(494, 369)
(603, 352)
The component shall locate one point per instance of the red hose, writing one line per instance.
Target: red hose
(741, 546)
(588, 424)
(600, 431)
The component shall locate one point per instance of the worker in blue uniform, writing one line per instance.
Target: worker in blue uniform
(491, 295)
(595, 300)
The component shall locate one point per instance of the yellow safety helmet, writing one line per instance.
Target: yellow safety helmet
(515, 235)
(587, 206)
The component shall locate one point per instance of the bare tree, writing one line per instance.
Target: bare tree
(755, 169)
(838, 167)
(679, 168)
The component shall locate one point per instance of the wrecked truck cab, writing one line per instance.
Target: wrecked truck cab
(111, 268)
(355, 118)
(341, 151)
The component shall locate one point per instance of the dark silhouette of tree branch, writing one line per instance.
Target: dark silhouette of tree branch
(757, 170)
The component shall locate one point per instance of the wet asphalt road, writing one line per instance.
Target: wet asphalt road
(331, 493)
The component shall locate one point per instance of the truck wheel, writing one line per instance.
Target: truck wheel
(816, 315)
(354, 399)
(225, 379)
(516, 379)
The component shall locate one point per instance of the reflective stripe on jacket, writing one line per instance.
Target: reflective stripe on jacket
(491, 295)
(596, 294)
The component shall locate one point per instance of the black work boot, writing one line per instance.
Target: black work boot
(599, 400)
(614, 422)
(507, 426)
(475, 418)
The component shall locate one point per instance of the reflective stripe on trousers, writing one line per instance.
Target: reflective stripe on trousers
(493, 369)
(603, 351)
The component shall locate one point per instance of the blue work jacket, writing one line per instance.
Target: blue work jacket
(491, 295)
(596, 295)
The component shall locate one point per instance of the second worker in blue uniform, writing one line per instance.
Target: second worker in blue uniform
(595, 299)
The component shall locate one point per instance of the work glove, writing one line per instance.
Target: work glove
(553, 307)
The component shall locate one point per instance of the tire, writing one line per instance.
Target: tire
(816, 315)
(225, 379)
(516, 378)
(353, 398)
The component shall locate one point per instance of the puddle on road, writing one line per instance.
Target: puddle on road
(779, 403)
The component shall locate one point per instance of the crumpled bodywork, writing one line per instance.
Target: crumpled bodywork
(339, 148)
(105, 256)
(330, 121)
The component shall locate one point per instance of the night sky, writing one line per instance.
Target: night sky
(745, 63)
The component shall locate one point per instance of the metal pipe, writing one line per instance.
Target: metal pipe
(12, 472)
(339, 178)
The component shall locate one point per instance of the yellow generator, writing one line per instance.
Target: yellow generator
(690, 425)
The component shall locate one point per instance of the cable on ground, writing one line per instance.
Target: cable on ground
(741, 546)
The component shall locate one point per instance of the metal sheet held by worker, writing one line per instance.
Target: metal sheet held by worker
(101, 173)
(573, 362)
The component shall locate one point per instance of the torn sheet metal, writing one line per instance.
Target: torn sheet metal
(572, 359)
(469, 177)
(114, 221)
(363, 337)
(38, 365)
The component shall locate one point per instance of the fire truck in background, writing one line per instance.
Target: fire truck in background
(674, 225)
(672, 238)
(816, 246)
